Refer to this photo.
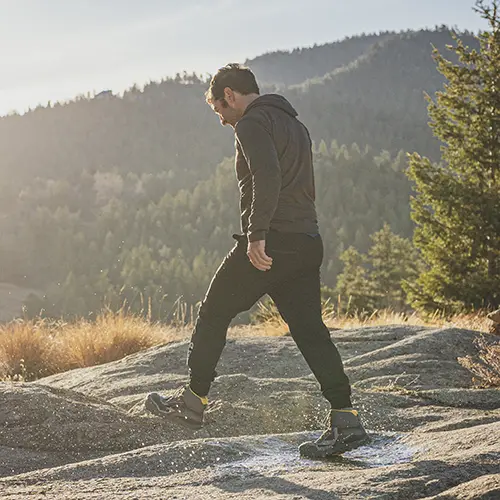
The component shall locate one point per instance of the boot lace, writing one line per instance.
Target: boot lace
(330, 433)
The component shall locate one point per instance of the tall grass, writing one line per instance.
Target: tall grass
(26, 350)
(338, 316)
(30, 349)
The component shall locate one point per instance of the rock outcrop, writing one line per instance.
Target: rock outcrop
(85, 434)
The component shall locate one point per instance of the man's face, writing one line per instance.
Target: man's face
(227, 114)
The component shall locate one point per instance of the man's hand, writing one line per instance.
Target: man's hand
(256, 252)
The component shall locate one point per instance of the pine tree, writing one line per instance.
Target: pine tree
(457, 203)
(392, 259)
(374, 281)
(352, 285)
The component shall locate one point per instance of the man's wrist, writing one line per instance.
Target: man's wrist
(257, 236)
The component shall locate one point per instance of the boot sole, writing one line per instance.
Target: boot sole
(318, 452)
(171, 416)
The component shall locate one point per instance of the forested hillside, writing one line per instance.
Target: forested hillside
(116, 197)
(378, 99)
(285, 68)
(151, 130)
(372, 94)
(111, 237)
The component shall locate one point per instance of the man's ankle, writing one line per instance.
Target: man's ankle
(346, 410)
(203, 399)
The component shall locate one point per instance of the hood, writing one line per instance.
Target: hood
(273, 100)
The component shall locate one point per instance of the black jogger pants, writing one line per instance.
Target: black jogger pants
(293, 283)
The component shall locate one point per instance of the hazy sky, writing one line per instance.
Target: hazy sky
(56, 49)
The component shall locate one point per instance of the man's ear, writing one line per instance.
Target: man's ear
(229, 95)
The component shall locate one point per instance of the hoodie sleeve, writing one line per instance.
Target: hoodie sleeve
(260, 154)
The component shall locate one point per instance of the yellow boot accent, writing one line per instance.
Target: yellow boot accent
(204, 400)
(354, 412)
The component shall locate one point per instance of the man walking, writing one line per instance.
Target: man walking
(279, 253)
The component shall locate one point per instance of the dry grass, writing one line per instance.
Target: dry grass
(486, 365)
(36, 348)
(26, 350)
(271, 323)
(30, 349)
(476, 321)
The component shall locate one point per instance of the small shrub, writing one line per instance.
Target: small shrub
(486, 365)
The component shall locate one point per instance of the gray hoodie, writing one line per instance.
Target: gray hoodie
(274, 168)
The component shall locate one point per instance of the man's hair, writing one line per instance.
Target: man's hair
(235, 76)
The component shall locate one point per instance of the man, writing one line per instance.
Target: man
(279, 253)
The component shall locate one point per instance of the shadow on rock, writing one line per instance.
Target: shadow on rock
(276, 484)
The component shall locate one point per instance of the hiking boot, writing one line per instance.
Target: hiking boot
(184, 407)
(345, 432)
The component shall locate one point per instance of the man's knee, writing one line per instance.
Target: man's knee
(304, 329)
(222, 312)
(213, 312)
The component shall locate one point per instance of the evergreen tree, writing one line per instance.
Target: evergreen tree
(374, 281)
(392, 259)
(457, 206)
(352, 284)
